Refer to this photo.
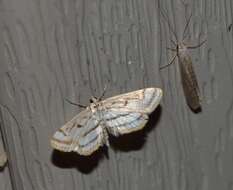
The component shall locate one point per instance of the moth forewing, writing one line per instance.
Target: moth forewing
(62, 139)
(144, 100)
(121, 114)
(188, 78)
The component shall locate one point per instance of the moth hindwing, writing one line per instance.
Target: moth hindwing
(117, 115)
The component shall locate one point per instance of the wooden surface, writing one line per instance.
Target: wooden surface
(52, 50)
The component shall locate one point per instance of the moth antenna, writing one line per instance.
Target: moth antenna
(76, 104)
(103, 93)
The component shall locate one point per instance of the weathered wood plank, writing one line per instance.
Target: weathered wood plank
(52, 50)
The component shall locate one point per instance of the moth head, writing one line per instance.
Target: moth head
(93, 100)
(93, 103)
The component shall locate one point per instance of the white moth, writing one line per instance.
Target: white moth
(117, 115)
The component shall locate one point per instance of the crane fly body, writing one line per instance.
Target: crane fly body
(188, 77)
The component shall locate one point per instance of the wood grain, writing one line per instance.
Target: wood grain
(52, 50)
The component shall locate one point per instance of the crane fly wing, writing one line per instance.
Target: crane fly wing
(83, 134)
(129, 112)
(189, 83)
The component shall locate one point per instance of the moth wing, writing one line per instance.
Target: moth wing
(129, 112)
(144, 101)
(83, 134)
(189, 83)
(119, 123)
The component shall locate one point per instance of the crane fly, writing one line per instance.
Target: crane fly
(188, 76)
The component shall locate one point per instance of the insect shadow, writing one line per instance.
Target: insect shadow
(136, 140)
(129, 142)
(85, 164)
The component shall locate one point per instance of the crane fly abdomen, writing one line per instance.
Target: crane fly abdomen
(188, 78)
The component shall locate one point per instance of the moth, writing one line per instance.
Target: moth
(188, 76)
(117, 115)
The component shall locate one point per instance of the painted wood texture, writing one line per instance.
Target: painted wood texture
(52, 50)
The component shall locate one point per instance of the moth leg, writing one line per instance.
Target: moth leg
(173, 59)
(198, 45)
